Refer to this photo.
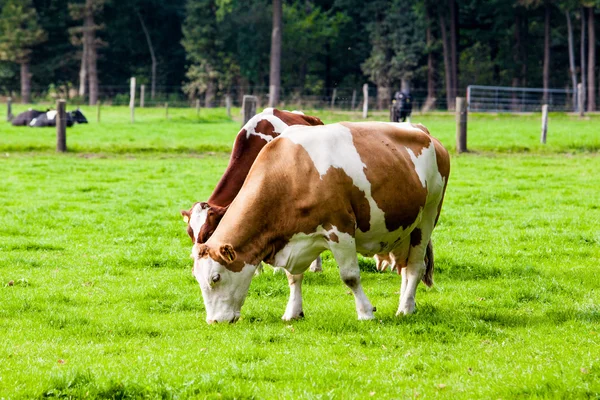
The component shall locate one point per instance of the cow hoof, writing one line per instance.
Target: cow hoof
(374, 309)
(293, 317)
(405, 311)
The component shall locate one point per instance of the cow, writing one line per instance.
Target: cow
(25, 117)
(39, 119)
(254, 135)
(402, 106)
(366, 187)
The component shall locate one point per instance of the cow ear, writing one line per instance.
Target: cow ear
(227, 253)
(186, 216)
(199, 251)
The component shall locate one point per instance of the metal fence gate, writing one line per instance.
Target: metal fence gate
(516, 99)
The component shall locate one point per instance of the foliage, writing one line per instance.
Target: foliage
(397, 40)
(20, 31)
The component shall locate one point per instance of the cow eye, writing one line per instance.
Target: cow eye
(216, 278)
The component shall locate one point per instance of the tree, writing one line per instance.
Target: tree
(19, 33)
(275, 71)
(397, 45)
(87, 12)
(152, 56)
(591, 65)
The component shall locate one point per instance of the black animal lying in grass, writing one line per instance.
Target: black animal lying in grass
(38, 119)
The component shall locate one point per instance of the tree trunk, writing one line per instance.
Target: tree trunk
(583, 67)
(90, 37)
(209, 96)
(152, 56)
(591, 62)
(383, 97)
(25, 83)
(430, 101)
(447, 69)
(275, 74)
(571, 58)
(546, 68)
(453, 48)
(83, 70)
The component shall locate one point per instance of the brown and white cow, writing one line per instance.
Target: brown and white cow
(367, 187)
(204, 217)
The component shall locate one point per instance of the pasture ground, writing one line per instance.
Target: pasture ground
(103, 305)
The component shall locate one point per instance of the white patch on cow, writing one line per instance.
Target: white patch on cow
(197, 219)
(267, 114)
(51, 114)
(302, 249)
(423, 162)
(223, 299)
(297, 112)
(33, 121)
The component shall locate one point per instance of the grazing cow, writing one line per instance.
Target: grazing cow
(367, 187)
(402, 106)
(25, 118)
(254, 135)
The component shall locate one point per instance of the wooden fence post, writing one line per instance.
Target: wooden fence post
(544, 123)
(9, 114)
(132, 99)
(249, 107)
(167, 110)
(197, 107)
(98, 112)
(333, 96)
(61, 126)
(142, 95)
(353, 105)
(366, 100)
(228, 105)
(461, 125)
(580, 99)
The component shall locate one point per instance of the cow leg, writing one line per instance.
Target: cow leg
(415, 267)
(411, 275)
(350, 274)
(317, 265)
(294, 306)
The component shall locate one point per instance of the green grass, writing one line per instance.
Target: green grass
(103, 305)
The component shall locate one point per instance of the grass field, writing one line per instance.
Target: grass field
(103, 305)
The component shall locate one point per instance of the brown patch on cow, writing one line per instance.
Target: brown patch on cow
(213, 217)
(266, 128)
(291, 118)
(415, 237)
(333, 237)
(402, 196)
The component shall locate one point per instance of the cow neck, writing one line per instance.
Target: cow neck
(243, 155)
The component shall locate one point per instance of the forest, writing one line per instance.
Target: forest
(88, 49)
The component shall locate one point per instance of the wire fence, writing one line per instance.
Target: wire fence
(516, 99)
(479, 98)
(338, 98)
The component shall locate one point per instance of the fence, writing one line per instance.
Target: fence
(515, 99)
(338, 98)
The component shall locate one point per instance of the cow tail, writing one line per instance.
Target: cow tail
(428, 277)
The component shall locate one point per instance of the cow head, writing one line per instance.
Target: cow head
(202, 220)
(78, 117)
(224, 286)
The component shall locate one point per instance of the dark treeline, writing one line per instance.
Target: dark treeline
(207, 48)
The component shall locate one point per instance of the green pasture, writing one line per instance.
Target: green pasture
(97, 298)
